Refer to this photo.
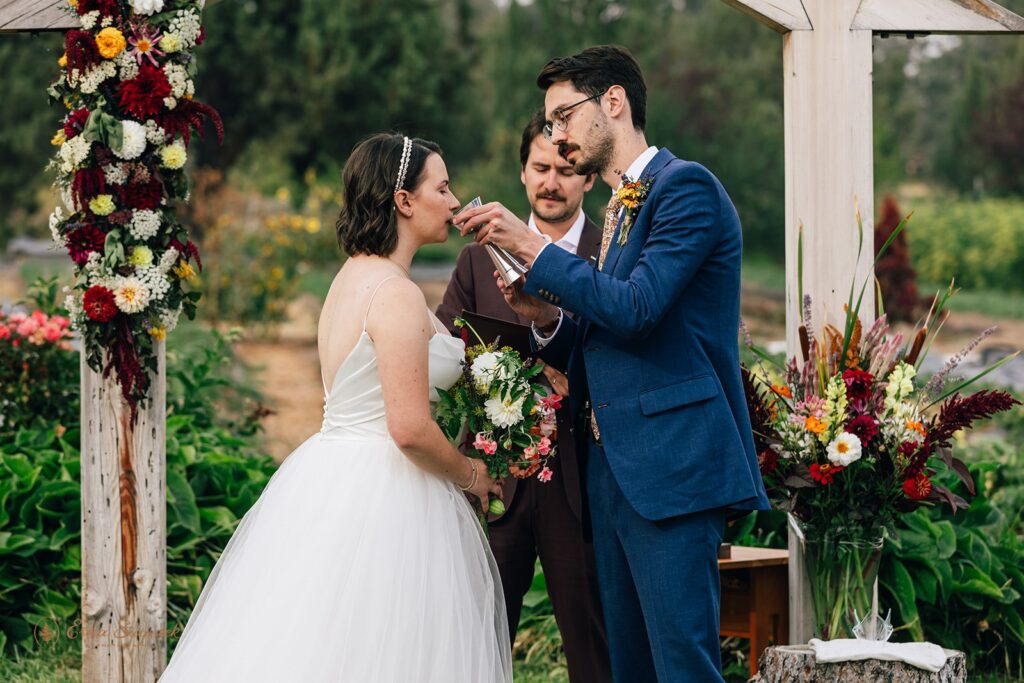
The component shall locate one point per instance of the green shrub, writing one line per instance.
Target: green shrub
(215, 472)
(979, 243)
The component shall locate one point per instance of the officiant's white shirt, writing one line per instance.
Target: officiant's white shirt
(571, 239)
(634, 171)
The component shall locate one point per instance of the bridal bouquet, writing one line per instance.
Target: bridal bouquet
(849, 437)
(508, 419)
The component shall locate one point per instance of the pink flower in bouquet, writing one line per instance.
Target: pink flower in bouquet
(545, 475)
(544, 447)
(530, 453)
(487, 446)
(547, 428)
(5, 332)
(551, 401)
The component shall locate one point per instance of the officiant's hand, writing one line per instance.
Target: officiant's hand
(540, 312)
(494, 224)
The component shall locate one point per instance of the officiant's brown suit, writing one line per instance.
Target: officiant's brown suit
(544, 520)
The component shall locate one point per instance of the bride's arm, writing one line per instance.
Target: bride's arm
(399, 324)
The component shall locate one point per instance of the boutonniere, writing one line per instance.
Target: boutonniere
(632, 196)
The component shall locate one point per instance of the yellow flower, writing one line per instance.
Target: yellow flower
(158, 333)
(171, 42)
(173, 156)
(58, 139)
(102, 205)
(63, 61)
(73, 3)
(110, 42)
(312, 225)
(141, 256)
(184, 270)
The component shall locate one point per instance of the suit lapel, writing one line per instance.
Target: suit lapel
(659, 162)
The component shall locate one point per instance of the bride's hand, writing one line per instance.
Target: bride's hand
(484, 486)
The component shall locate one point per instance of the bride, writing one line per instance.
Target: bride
(362, 560)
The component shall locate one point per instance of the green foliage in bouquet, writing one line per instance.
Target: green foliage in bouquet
(508, 420)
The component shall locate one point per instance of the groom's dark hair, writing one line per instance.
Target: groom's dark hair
(595, 70)
(367, 222)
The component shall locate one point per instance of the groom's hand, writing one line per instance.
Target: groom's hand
(494, 224)
(540, 312)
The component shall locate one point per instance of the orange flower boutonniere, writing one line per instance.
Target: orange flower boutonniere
(632, 195)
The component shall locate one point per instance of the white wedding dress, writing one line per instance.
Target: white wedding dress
(354, 564)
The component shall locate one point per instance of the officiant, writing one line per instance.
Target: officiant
(543, 520)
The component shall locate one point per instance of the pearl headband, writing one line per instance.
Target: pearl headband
(403, 166)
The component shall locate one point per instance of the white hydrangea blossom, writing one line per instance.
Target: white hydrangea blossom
(167, 261)
(130, 294)
(89, 19)
(145, 224)
(133, 140)
(67, 198)
(177, 76)
(127, 66)
(147, 7)
(73, 153)
(186, 24)
(169, 318)
(155, 282)
(170, 102)
(107, 21)
(154, 133)
(116, 174)
(76, 315)
(96, 75)
(55, 218)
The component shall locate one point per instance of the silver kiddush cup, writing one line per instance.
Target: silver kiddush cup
(506, 263)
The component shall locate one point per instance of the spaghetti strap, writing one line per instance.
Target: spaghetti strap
(373, 294)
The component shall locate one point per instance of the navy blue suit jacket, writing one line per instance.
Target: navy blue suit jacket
(655, 346)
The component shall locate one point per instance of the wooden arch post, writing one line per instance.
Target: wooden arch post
(827, 65)
(123, 477)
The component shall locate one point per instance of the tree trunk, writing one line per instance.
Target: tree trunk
(124, 532)
(796, 664)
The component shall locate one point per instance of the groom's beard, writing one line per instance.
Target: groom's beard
(598, 160)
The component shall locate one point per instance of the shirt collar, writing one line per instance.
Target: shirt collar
(571, 240)
(640, 163)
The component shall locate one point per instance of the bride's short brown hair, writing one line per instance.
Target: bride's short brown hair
(367, 222)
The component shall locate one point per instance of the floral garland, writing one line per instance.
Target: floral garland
(126, 82)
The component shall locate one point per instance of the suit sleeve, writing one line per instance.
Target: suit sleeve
(460, 294)
(681, 237)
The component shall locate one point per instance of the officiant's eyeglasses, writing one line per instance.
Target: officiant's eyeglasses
(560, 116)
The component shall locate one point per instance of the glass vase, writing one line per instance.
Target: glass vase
(843, 576)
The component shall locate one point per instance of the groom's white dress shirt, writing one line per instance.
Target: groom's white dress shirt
(633, 173)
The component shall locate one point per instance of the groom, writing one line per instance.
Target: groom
(652, 359)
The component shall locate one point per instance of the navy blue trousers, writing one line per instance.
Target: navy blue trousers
(659, 585)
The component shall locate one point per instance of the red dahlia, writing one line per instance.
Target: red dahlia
(75, 122)
(107, 8)
(81, 50)
(143, 96)
(144, 195)
(83, 241)
(87, 183)
(864, 426)
(99, 304)
(858, 384)
(918, 487)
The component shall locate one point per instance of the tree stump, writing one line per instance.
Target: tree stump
(796, 664)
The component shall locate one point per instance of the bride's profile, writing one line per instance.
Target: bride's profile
(362, 560)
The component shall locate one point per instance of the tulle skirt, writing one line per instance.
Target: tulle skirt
(353, 565)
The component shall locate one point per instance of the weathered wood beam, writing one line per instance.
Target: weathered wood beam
(936, 16)
(781, 15)
(35, 15)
